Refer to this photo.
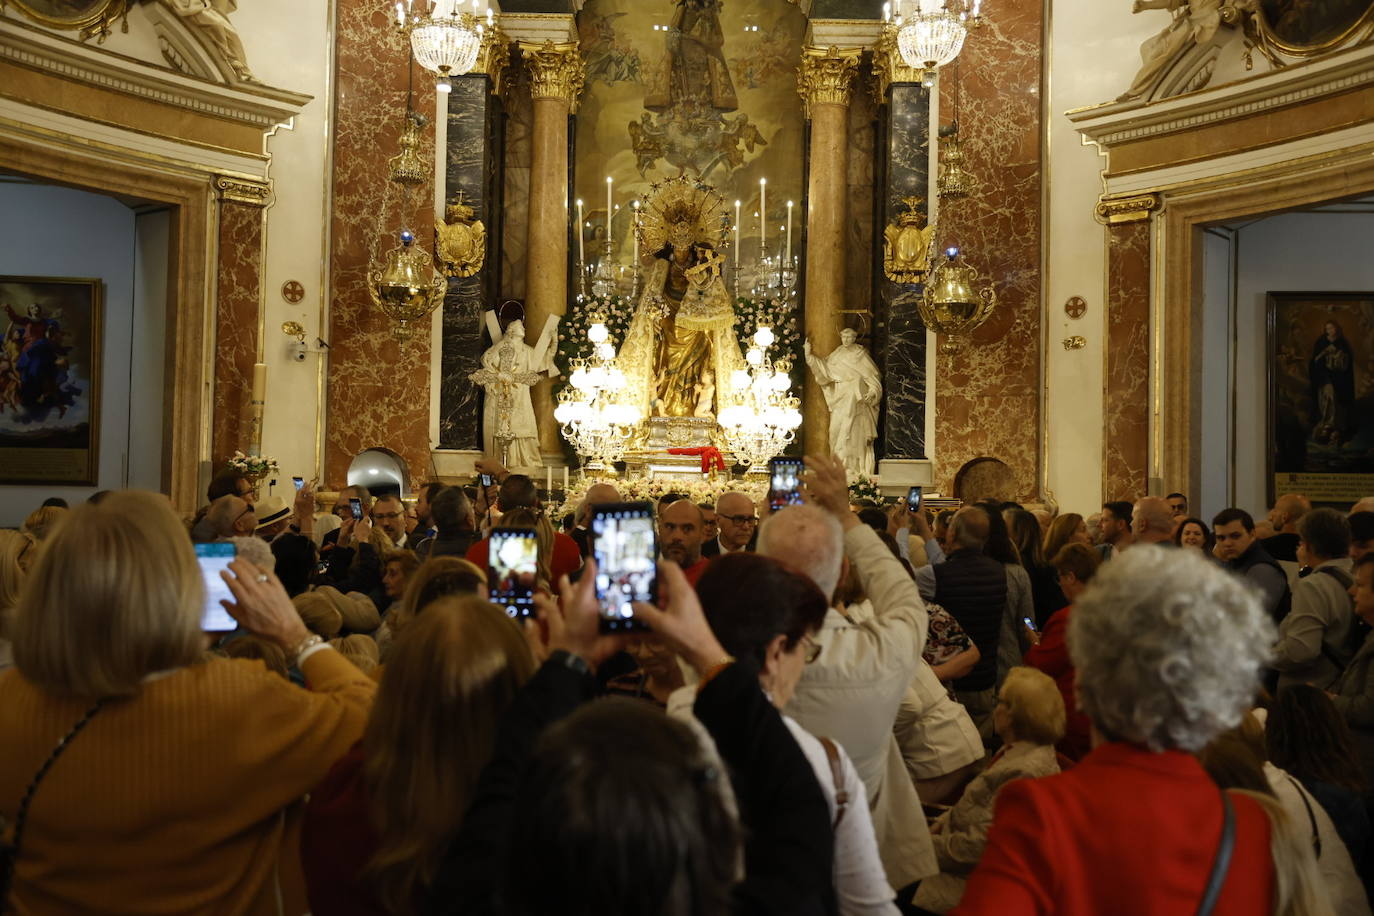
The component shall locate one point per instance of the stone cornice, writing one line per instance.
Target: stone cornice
(843, 33)
(537, 28)
(258, 106)
(1116, 123)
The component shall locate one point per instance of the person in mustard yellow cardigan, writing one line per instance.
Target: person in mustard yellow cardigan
(182, 792)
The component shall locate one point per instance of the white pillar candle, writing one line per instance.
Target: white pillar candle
(565, 478)
(763, 216)
(608, 208)
(581, 252)
(259, 382)
(789, 233)
(548, 479)
(737, 203)
(634, 231)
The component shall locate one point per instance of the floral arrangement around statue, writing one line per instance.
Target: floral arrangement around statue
(781, 316)
(863, 488)
(697, 490)
(573, 342)
(255, 467)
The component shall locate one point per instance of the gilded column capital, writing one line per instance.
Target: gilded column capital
(888, 65)
(556, 70)
(493, 58)
(1113, 211)
(251, 191)
(826, 75)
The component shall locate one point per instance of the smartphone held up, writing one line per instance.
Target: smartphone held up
(212, 560)
(625, 545)
(513, 570)
(785, 482)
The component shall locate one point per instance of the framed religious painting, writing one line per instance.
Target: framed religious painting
(1306, 27)
(1321, 396)
(50, 380)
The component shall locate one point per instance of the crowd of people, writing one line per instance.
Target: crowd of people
(831, 708)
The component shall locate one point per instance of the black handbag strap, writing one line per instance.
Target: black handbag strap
(1222, 864)
(9, 854)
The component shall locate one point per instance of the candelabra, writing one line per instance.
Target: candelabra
(596, 415)
(763, 418)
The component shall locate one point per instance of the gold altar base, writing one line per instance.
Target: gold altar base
(650, 456)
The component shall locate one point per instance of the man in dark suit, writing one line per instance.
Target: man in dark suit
(738, 523)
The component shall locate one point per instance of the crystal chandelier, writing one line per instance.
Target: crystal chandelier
(950, 304)
(764, 417)
(931, 33)
(447, 39)
(596, 412)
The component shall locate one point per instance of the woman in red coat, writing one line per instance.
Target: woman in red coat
(1049, 650)
(1167, 649)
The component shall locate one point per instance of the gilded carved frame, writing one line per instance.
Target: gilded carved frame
(94, 19)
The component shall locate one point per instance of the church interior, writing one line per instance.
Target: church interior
(1099, 251)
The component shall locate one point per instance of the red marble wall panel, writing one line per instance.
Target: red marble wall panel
(1126, 398)
(987, 401)
(378, 393)
(237, 294)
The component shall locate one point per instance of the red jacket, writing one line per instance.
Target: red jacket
(1126, 831)
(338, 840)
(1052, 657)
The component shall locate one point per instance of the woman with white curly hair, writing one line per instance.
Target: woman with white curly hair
(1168, 650)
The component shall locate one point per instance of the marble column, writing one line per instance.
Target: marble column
(824, 80)
(1126, 395)
(903, 172)
(472, 160)
(556, 76)
(238, 304)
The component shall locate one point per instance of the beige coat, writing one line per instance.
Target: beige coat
(961, 832)
(852, 694)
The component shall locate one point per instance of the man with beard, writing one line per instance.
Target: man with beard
(680, 531)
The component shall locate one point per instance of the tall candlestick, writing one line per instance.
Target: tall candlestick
(788, 262)
(608, 208)
(763, 216)
(634, 231)
(581, 251)
(737, 203)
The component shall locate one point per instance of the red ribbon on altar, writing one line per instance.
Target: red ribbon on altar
(710, 457)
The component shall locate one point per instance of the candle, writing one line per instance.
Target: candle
(789, 234)
(259, 382)
(737, 203)
(548, 479)
(763, 216)
(581, 253)
(608, 208)
(565, 478)
(400, 14)
(634, 259)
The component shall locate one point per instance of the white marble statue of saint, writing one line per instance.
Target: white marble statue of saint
(853, 388)
(510, 368)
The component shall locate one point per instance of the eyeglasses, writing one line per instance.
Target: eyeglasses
(739, 519)
(813, 649)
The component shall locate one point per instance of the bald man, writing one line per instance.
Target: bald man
(1288, 509)
(227, 517)
(680, 531)
(598, 494)
(1152, 521)
(737, 521)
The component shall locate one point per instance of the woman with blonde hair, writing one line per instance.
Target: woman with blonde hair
(44, 520)
(176, 772)
(14, 547)
(1029, 718)
(1068, 528)
(377, 827)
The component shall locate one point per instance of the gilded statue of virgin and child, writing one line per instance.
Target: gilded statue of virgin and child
(681, 351)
